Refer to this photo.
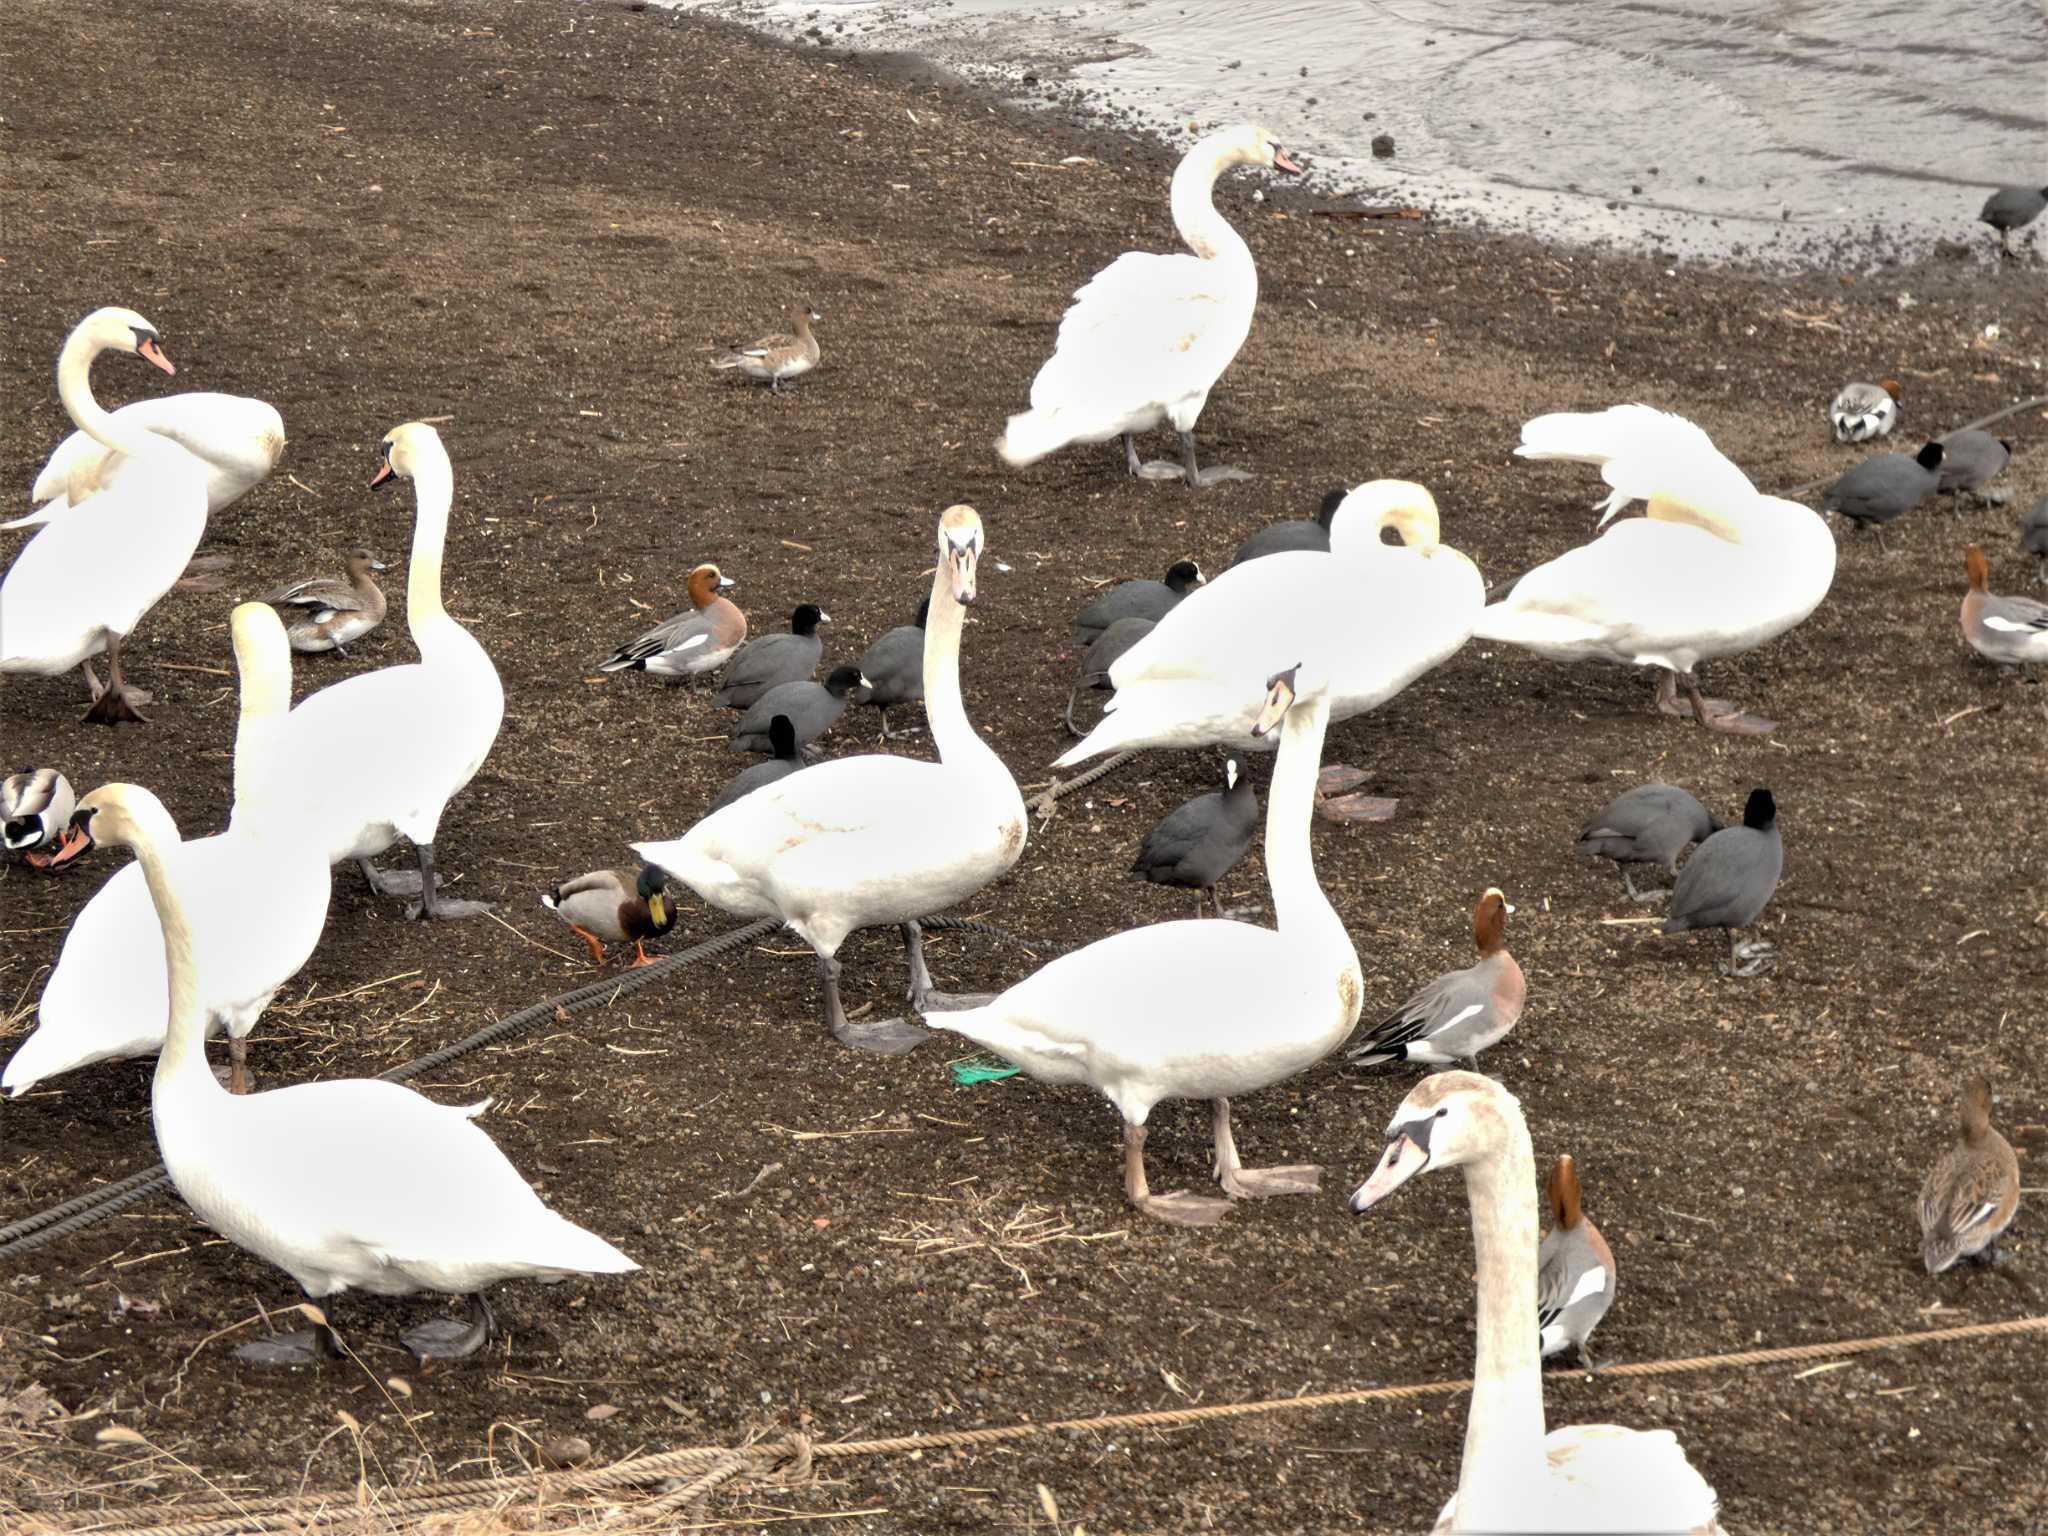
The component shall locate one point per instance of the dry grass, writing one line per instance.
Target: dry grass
(986, 1224)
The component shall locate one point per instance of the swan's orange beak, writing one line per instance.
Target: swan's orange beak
(1282, 163)
(384, 469)
(1403, 1160)
(74, 845)
(151, 349)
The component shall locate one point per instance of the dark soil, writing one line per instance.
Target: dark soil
(538, 218)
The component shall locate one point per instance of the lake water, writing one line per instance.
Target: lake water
(1784, 132)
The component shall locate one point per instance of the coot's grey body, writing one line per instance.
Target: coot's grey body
(1137, 600)
(1101, 655)
(787, 760)
(2034, 537)
(1886, 486)
(767, 661)
(2011, 208)
(1312, 534)
(1971, 460)
(813, 709)
(1729, 881)
(1196, 844)
(894, 668)
(1650, 824)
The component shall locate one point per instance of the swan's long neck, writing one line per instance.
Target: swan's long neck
(959, 745)
(266, 699)
(438, 636)
(1300, 909)
(1207, 233)
(74, 388)
(182, 1064)
(1504, 1468)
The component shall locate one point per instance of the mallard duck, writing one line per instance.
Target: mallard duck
(35, 810)
(1137, 600)
(768, 660)
(1575, 1271)
(690, 644)
(326, 613)
(1514, 1477)
(1729, 880)
(1972, 1192)
(608, 906)
(1461, 1013)
(1148, 336)
(774, 359)
(1864, 412)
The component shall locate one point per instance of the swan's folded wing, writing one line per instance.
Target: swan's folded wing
(1141, 313)
(1646, 454)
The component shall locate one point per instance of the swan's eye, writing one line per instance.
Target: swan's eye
(1442, 1112)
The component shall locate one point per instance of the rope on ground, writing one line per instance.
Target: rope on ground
(788, 1461)
(1048, 802)
(1969, 426)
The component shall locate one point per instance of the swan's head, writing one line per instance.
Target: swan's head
(1450, 1119)
(405, 449)
(123, 816)
(960, 549)
(263, 658)
(114, 329)
(1249, 144)
(706, 582)
(1283, 691)
(272, 439)
(1366, 512)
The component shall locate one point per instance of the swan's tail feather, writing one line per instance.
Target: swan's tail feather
(40, 516)
(576, 1251)
(1536, 628)
(1642, 453)
(1031, 435)
(1113, 732)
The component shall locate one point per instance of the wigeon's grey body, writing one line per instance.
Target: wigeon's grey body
(1886, 486)
(1729, 881)
(1971, 460)
(1102, 654)
(1137, 600)
(328, 613)
(2011, 208)
(2034, 538)
(1310, 533)
(1650, 824)
(1575, 1273)
(812, 708)
(1862, 413)
(785, 761)
(690, 644)
(1197, 843)
(1461, 1013)
(894, 669)
(2012, 631)
(768, 660)
(771, 360)
(1972, 1192)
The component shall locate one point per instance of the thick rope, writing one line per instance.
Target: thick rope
(1048, 802)
(788, 1461)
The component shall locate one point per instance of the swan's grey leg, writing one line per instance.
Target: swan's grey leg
(94, 688)
(389, 882)
(115, 704)
(1131, 464)
(1216, 474)
(1181, 1208)
(1720, 715)
(453, 1338)
(1242, 1183)
(920, 976)
(308, 1346)
(883, 1037)
(431, 903)
(1073, 693)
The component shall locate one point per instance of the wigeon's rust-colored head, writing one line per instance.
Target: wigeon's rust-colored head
(1490, 922)
(1564, 1193)
(1975, 1110)
(1978, 567)
(706, 581)
(1889, 386)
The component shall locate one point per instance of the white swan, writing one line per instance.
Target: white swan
(238, 439)
(1148, 336)
(378, 756)
(868, 840)
(1376, 617)
(1201, 1009)
(256, 895)
(83, 583)
(1589, 1477)
(1712, 569)
(360, 1182)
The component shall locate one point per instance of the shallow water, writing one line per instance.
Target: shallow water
(1777, 131)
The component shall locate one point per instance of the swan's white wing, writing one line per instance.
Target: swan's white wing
(238, 438)
(1646, 454)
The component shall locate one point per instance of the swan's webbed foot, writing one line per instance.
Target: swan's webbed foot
(204, 573)
(432, 904)
(1219, 474)
(453, 1338)
(1159, 469)
(878, 1037)
(1182, 1208)
(1242, 1183)
(117, 706)
(1714, 714)
(390, 882)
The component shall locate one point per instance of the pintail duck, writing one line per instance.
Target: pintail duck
(1575, 1271)
(689, 644)
(2012, 631)
(35, 812)
(326, 613)
(1461, 1013)
(2011, 208)
(1196, 844)
(811, 708)
(608, 906)
(1650, 824)
(894, 669)
(1972, 1192)
(1885, 487)
(1137, 600)
(772, 359)
(1728, 882)
(1864, 412)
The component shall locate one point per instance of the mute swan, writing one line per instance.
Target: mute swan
(83, 583)
(691, 643)
(35, 810)
(239, 441)
(609, 906)
(1712, 568)
(1195, 1009)
(773, 359)
(378, 756)
(867, 840)
(256, 896)
(359, 1182)
(1972, 1192)
(1381, 616)
(1514, 1477)
(327, 614)
(1148, 336)
(766, 661)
